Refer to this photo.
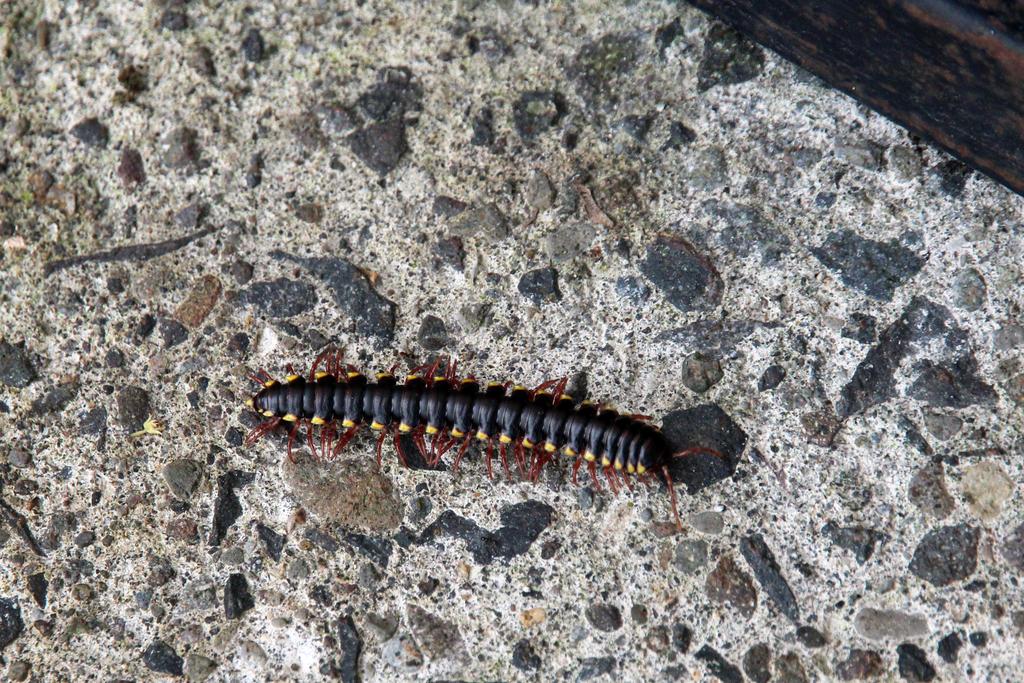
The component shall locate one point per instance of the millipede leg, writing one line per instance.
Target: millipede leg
(592, 468)
(576, 468)
(309, 439)
(291, 440)
(343, 441)
(487, 458)
(420, 443)
(399, 449)
(462, 451)
(613, 481)
(504, 459)
(672, 495)
(260, 430)
(520, 456)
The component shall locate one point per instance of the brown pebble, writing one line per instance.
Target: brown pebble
(199, 302)
(727, 583)
(131, 170)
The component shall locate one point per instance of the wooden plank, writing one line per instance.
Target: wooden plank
(951, 71)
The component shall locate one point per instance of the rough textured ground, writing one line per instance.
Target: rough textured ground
(630, 196)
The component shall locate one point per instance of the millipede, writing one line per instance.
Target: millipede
(528, 426)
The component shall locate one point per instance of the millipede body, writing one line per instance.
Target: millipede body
(530, 426)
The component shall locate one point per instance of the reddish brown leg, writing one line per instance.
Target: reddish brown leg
(504, 459)
(613, 481)
(462, 451)
(324, 356)
(672, 495)
(487, 458)
(290, 368)
(420, 442)
(291, 440)
(576, 468)
(592, 467)
(399, 449)
(520, 455)
(309, 439)
(343, 441)
(261, 430)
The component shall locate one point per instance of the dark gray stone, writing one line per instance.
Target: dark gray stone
(173, 19)
(161, 658)
(708, 427)
(132, 408)
(757, 662)
(687, 279)
(946, 555)
(354, 295)
(380, 145)
(913, 664)
(433, 334)
(351, 646)
(859, 540)
(769, 575)
(952, 175)
(523, 656)
(951, 385)
(91, 132)
(237, 598)
(273, 542)
(604, 617)
(600, 64)
(771, 378)
(253, 48)
(537, 111)
(874, 268)
(395, 94)
(949, 647)
(682, 637)
(521, 523)
(873, 381)
(718, 666)
(540, 285)
(679, 135)
(728, 58)
(592, 667)
(172, 332)
(970, 290)
(280, 298)
(54, 400)
(861, 328)
(11, 624)
(227, 508)
(811, 637)
(15, 365)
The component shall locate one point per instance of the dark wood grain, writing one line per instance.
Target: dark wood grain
(951, 71)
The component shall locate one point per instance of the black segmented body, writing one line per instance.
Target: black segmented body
(464, 409)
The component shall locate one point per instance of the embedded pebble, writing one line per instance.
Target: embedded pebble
(604, 617)
(728, 584)
(928, 491)
(16, 368)
(728, 59)
(874, 268)
(91, 132)
(882, 624)
(986, 487)
(345, 492)
(946, 555)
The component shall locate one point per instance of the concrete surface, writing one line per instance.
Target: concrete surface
(627, 195)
